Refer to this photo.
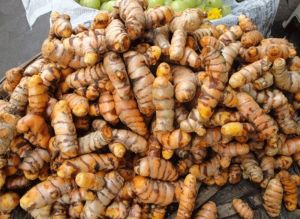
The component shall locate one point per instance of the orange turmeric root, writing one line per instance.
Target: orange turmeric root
(252, 111)
(132, 13)
(95, 162)
(45, 193)
(141, 77)
(249, 73)
(207, 211)
(116, 37)
(243, 209)
(143, 187)
(187, 197)
(272, 197)
(64, 128)
(128, 113)
(37, 95)
(290, 197)
(156, 168)
(12, 79)
(35, 130)
(285, 80)
(61, 26)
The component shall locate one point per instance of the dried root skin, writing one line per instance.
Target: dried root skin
(135, 212)
(252, 111)
(294, 63)
(19, 97)
(290, 146)
(246, 23)
(187, 197)
(249, 73)
(35, 67)
(144, 190)
(163, 99)
(207, 211)
(61, 26)
(158, 212)
(237, 129)
(243, 209)
(193, 123)
(116, 37)
(17, 182)
(173, 140)
(105, 107)
(86, 76)
(211, 41)
(190, 58)
(37, 95)
(221, 118)
(290, 197)
(117, 209)
(272, 197)
(45, 193)
(161, 39)
(156, 168)
(189, 20)
(234, 174)
(101, 20)
(8, 202)
(12, 79)
(130, 140)
(177, 47)
(285, 80)
(90, 181)
(87, 163)
(214, 84)
(64, 128)
(7, 133)
(142, 79)
(206, 169)
(35, 130)
(265, 81)
(251, 38)
(78, 104)
(185, 83)
(117, 149)
(232, 35)
(157, 17)
(34, 161)
(267, 165)
(116, 71)
(95, 140)
(96, 208)
(230, 52)
(251, 168)
(132, 13)
(198, 152)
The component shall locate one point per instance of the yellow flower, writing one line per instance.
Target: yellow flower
(214, 13)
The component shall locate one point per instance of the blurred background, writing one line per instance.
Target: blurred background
(18, 42)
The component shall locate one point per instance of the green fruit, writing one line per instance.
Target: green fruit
(179, 5)
(190, 3)
(203, 6)
(91, 3)
(226, 9)
(168, 2)
(108, 6)
(214, 3)
(199, 2)
(155, 3)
